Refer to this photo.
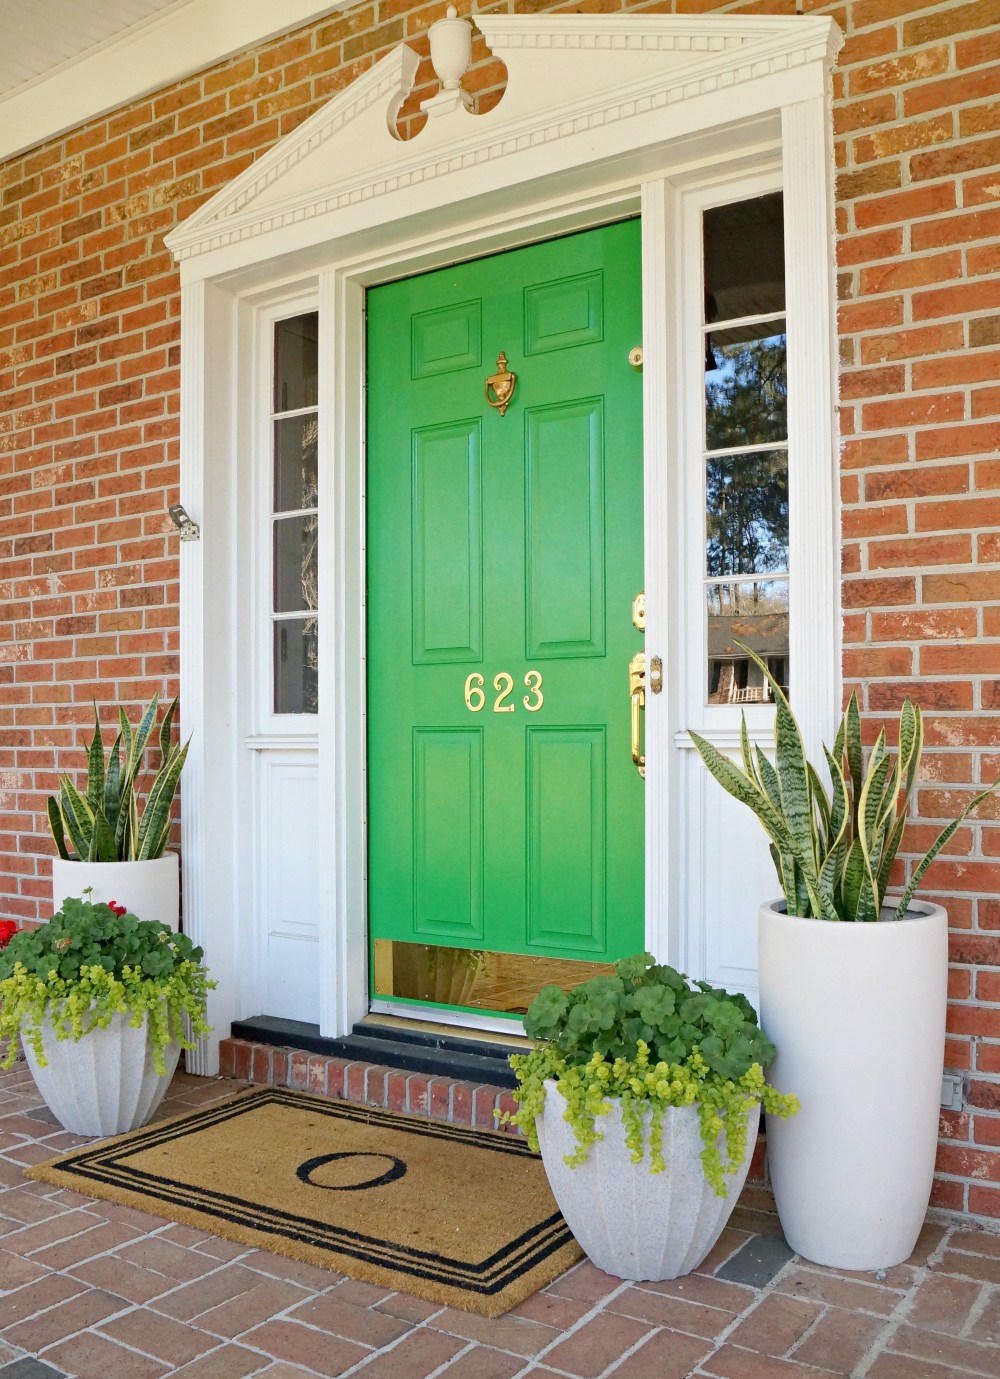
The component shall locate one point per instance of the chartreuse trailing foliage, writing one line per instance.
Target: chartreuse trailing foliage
(833, 853)
(649, 1039)
(105, 825)
(88, 964)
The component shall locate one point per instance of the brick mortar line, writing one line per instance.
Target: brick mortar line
(768, 1289)
(902, 1310)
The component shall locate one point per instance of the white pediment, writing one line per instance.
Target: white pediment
(568, 76)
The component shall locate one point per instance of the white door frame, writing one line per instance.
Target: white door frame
(668, 107)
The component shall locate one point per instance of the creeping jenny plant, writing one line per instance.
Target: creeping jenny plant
(89, 963)
(833, 854)
(647, 1038)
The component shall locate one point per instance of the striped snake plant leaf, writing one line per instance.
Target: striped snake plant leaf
(742, 788)
(155, 824)
(792, 769)
(855, 870)
(840, 810)
(855, 753)
(95, 765)
(102, 840)
(939, 842)
(793, 774)
(803, 898)
(868, 810)
(78, 817)
(829, 883)
(822, 803)
(165, 727)
(113, 784)
(748, 762)
(56, 825)
(868, 906)
(911, 745)
(767, 776)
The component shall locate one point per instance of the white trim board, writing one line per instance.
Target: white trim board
(602, 116)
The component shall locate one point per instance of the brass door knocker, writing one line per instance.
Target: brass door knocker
(502, 384)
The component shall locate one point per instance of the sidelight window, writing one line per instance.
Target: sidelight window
(745, 438)
(294, 549)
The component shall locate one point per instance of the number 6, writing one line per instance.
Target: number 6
(474, 689)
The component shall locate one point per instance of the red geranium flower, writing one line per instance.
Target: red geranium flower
(116, 908)
(8, 928)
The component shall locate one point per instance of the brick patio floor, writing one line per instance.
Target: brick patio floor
(98, 1291)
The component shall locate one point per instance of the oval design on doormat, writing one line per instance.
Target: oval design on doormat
(396, 1169)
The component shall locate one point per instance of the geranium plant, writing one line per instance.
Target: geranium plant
(90, 962)
(650, 1039)
(833, 853)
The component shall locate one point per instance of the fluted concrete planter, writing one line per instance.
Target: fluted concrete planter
(149, 890)
(104, 1083)
(630, 1222)
(857, 1012)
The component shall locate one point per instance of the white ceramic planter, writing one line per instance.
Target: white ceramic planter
(150, 890)
(857, 1012)
(104, 1083)
(630, 1222)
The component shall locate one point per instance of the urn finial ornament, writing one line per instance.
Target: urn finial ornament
(451, 53)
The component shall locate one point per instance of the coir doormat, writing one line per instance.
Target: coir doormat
(455, 1215)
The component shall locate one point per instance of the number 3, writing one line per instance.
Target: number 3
(533, 680)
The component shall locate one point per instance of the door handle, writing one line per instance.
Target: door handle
(637, 696)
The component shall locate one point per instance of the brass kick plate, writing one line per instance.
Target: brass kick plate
(472, 977)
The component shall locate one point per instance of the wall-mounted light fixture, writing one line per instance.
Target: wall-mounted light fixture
(189, 529)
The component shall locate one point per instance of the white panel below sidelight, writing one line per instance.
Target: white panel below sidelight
(736, 867)
(288, 883)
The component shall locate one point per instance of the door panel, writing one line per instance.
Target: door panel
(504, 551)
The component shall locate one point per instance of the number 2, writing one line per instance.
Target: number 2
(504, 683)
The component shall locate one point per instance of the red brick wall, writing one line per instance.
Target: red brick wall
(89, 426)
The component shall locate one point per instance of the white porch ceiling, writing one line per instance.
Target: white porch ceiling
(63, 62)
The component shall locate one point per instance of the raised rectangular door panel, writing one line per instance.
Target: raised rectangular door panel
(504, 552)
(447, 544)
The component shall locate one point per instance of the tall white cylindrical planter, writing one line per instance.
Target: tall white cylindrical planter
(857, 1012)
(630, 1222)
(149, 890)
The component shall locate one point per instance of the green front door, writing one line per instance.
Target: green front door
(504, 553)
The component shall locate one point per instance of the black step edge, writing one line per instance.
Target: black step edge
(418, 1051)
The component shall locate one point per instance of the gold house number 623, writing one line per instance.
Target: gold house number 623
(503, 683)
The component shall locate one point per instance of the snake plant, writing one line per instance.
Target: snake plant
(833, 853)
(105, 824)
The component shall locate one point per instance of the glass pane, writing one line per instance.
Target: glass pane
(295, 463)
(754, 612)
(746, 387)
(296, 362)
(744, 259)
(747, 513)
(296, 570)
(296, 659)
